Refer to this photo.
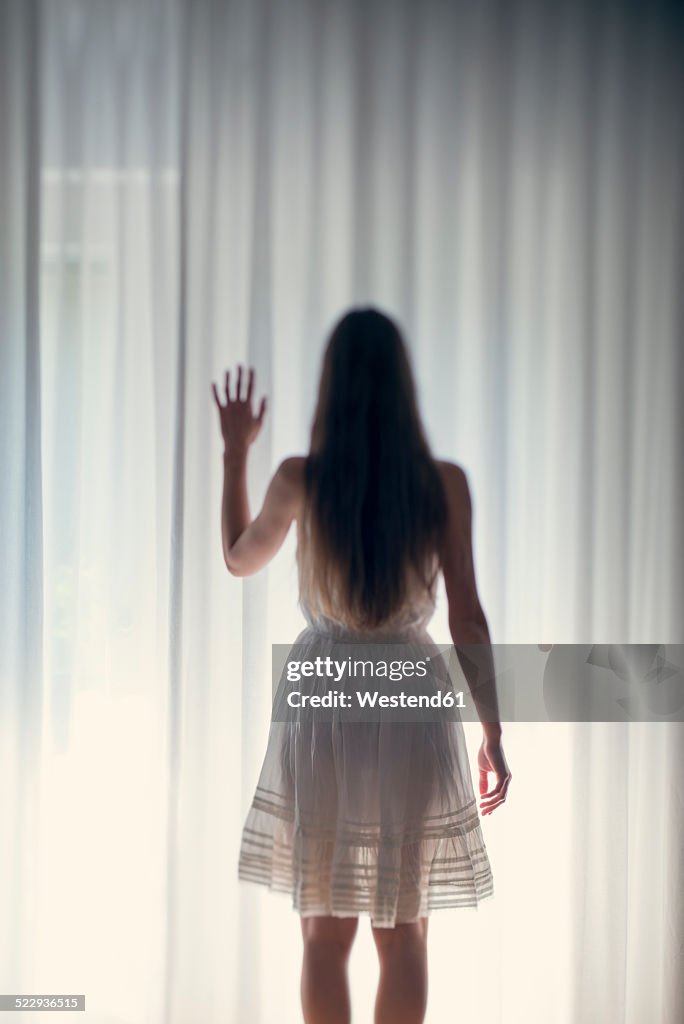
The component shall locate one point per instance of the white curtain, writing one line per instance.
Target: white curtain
(185, 184)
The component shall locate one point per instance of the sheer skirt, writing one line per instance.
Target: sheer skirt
(375, 817)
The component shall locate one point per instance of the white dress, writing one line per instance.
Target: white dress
(375, 817)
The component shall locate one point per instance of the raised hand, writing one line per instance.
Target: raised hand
(240, 426)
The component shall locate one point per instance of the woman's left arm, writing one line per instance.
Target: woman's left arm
(249, 544)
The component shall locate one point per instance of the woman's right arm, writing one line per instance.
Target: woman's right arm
(470, 632)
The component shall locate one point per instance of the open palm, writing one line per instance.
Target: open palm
(240, 425)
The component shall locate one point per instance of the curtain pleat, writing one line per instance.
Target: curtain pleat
(189, 185)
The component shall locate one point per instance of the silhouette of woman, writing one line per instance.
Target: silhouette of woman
(376, 817)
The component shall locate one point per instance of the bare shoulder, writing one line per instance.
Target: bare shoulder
(289, 478)
(291, 470)
(455, 480)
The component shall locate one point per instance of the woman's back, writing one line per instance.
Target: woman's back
(410, 619)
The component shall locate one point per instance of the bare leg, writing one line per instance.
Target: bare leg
(402, 990)
(324, 988)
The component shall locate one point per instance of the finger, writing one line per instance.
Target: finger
(500, 779)
(490, 803)
(238, 390)
(227, 386)
(490, 810)
(262, 410)
(484, 781)
(492, 807)
(250, 385)
(216, 395)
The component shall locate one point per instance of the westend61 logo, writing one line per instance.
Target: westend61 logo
(330, 678)
(372, 699)
(353, 668)
(327, 679)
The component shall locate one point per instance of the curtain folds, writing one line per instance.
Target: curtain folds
(186, 185)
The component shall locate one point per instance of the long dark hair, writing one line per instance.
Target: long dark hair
(375, 507)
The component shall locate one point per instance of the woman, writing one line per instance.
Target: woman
(372, 817)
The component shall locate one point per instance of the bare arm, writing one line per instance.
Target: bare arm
(470, 631)
(249, 544)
